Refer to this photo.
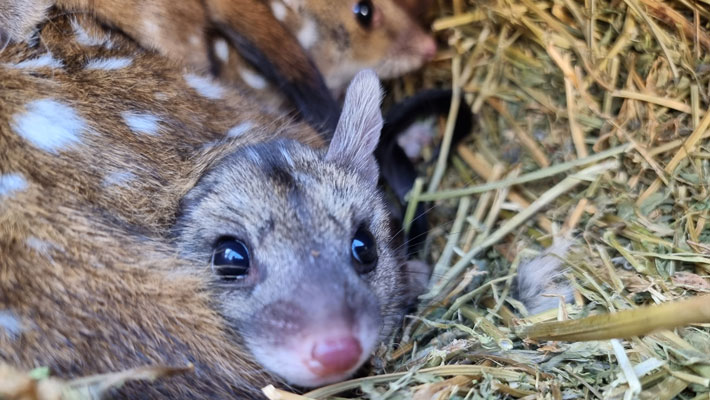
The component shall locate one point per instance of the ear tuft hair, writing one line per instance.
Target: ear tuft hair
(359, 127)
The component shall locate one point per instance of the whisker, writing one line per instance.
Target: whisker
(398, 248)
(422, 215)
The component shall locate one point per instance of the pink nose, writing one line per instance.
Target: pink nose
(335, 355)
(427, 47)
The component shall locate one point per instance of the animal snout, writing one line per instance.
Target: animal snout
(427, 47)
(313, 336)
(334, 354)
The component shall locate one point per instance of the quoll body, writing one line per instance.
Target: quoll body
(289, 54)
(343, 37)
(151, 215)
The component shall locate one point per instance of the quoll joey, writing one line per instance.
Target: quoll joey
(277, 50)
(150, 215)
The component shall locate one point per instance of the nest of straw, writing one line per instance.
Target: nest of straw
(593, 124)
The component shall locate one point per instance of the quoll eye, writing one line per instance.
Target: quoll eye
(364, 250)
(230, 258)
(363, 12)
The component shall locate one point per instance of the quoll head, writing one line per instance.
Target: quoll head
(300, 247)
(344, 37)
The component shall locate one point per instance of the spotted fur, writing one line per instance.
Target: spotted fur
(111, 194)
(393, 45)
(276, 49)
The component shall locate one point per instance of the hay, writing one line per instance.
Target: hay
(593, 123)
(38, 385)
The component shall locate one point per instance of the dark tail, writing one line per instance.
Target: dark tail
(265, 43)
(396, 168)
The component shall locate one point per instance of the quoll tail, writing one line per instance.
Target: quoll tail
(541, 281)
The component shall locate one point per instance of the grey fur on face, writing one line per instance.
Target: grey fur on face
(297, 210)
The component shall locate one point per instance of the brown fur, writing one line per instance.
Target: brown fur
(180, 29)
(83, 266)
(187, 112)
(184, 31)
(187, 31)
(91, 278)
(394, 45)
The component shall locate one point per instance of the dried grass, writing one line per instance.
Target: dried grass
(38, 385)
(593, 122)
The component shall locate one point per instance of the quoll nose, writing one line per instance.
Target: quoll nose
(335, 355)
(427, 46)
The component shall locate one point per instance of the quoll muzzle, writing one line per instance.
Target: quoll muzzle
(320, 336)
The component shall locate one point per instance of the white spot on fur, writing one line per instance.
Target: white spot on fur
(194, 40)
(42, 247)
(205, 86)
(109, 63)
(83, 37)
(144, 123)
(293, 4)
(12, 182)
(160, 96)
(33, 39)
(109, 44)
(239, 129)
(151, 28)
(10, 323)
(44, 61)
(308, 34)
(279, 10)
(287, 157)
(211, 144)
(254, 156)
(118, 178)
(221, 49)
(252, 79)
(49, 125)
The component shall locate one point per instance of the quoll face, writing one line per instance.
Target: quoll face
(300, 247)
(357, 34)
(307, 277)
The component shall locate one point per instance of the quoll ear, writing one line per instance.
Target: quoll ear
(359, 127)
